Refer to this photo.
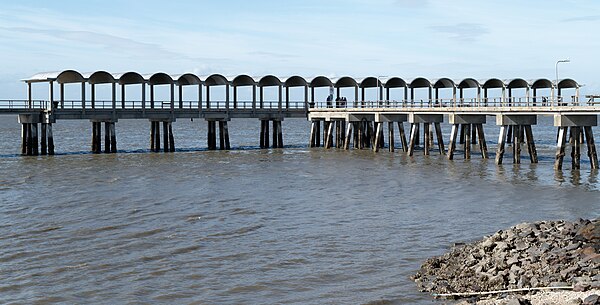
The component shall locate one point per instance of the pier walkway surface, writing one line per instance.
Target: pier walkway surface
(466, 104)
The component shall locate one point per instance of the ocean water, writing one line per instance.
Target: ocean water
(255, 226)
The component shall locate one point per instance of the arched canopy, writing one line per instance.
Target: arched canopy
(345, 81)
(215, 80)
(129, 78)
(186, 79)
(493, 83)
(269, 80)
(295, 81)
(420, 82)
(541, 83)
(395, 82)
(444, 83)
(160, 79)
(468, 83)
(517, 83)
(321, 81)
(369, 82)
(243, 80)
(100, 77)
(567, 83)
(69, 76)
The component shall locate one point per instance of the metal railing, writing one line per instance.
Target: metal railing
(24, 104)
(538, 101)
(148, 105)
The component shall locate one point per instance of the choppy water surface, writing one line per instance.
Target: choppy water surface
(250, 226)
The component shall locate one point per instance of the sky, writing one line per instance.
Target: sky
(405, 38)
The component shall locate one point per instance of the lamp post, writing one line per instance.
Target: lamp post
(556, 70)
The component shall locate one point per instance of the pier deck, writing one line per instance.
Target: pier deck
(357, 121)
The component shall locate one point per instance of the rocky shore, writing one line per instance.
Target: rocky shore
(526, 259)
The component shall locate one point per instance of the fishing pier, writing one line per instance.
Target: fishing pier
(357, 122)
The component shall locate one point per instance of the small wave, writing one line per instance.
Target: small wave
(145, 233)
(380, 302)
(185, 250)
(240, 231)
(248, 288)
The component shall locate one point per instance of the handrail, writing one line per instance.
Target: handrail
(157, 104)
(532, 101)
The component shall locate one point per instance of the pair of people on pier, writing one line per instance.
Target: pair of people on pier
(340, 102)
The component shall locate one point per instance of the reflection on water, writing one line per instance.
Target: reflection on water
(297, 225)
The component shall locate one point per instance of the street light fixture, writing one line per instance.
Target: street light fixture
(556, 70)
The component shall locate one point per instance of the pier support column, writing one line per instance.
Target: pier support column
(452, 142)
(560, 147)
(50, 139)
(328, 130)
(501, 144)
(591, 147)
(391, 136)
(440, 138)
(30, 144)
(579, 127)
(483, 144)
(152, 135)
(356, 135)
(225, 135)
(318, 134)
(43, 138)
(413, 136)
(34, 139)
(311, 140)
(264, 133)
(157, 137)
(519, 127)
(275, 136)
(165, 136)
(96, 137)
(403, 137)
(280, 133)
(349, 132)
(427, 120)
(107, 137)
(575, 147)
(378, 133)
(531, 149)
(113, 138)
(426, 141)
(211, 137)
(24, 136)
(516, 144)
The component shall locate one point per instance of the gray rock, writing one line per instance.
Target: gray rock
(593, 299)
(577, 301)
(518, 301)
(548, 253)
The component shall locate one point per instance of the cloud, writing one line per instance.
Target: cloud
(272, 55)
(412, 3)
(583, 18)
(107, 41)
(466, 32)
